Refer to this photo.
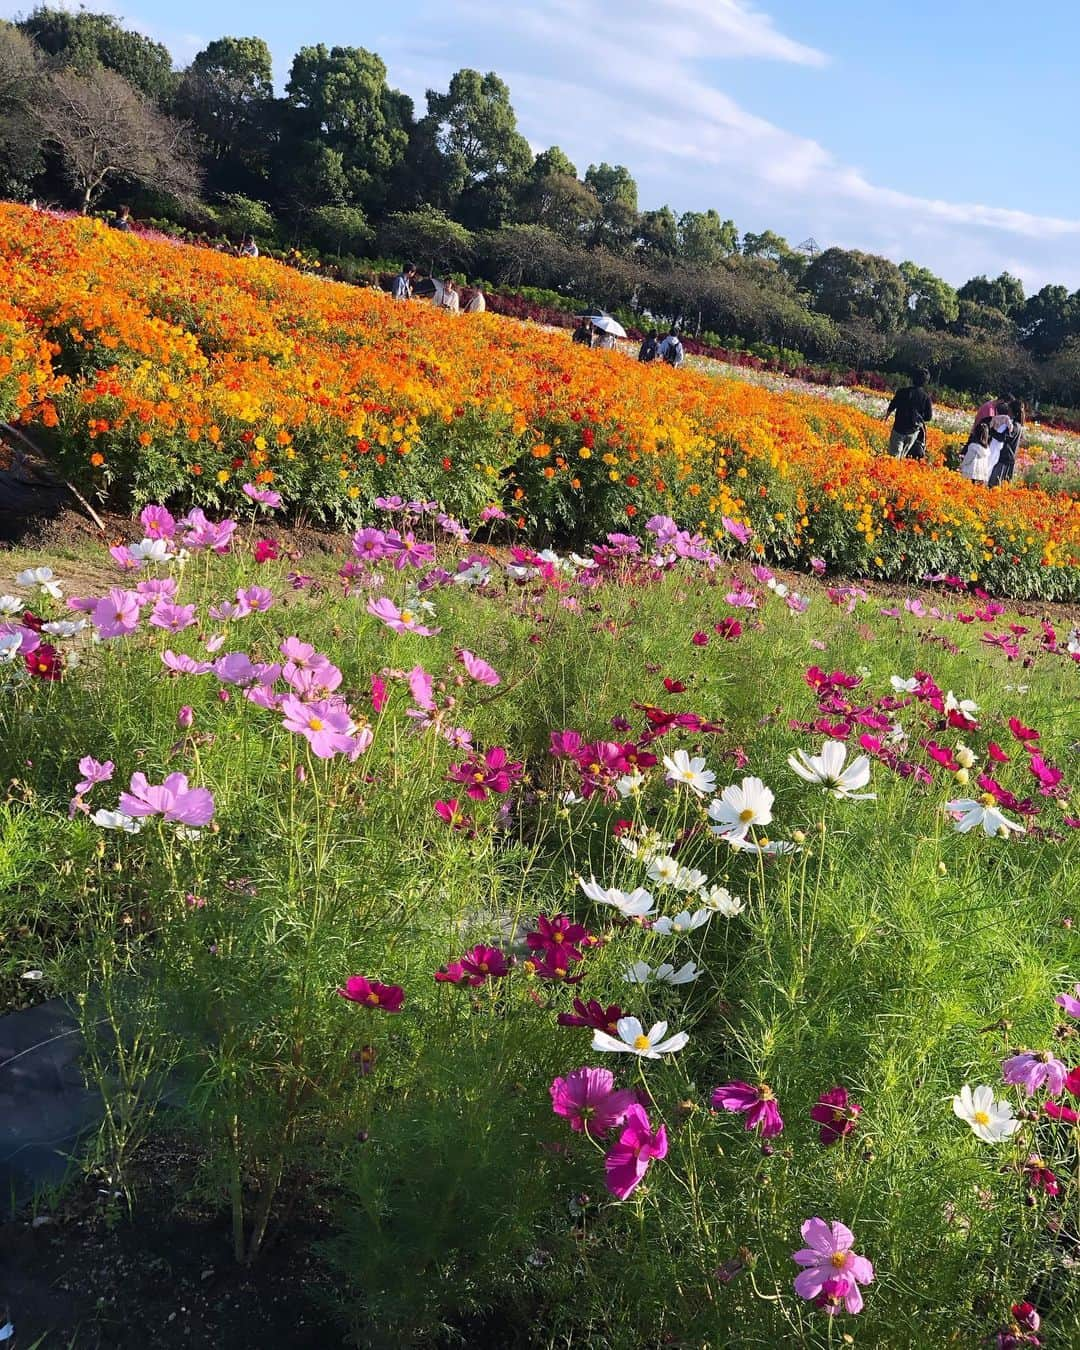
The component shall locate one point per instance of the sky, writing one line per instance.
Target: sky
(935, 130)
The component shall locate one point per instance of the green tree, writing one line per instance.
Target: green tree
(339, 98)
(549, 162)
(848, 285)
(83, 39)
(343, 229)
(1049, 319)
(241, 215)
(658, 232)
(616, 191)
(932, 303)
(227, 94)
(427, 237)
(705, 239)
(20, 131)
(1005, 292)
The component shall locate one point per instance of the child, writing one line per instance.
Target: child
(976, 462)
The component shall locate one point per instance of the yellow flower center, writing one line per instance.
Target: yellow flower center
(373, 997)
(315, 724)
(981, 1118)
(746, 816)
(558, 937)
(838, 1260)
(988, 799)
(641, 1042)
(407, 616)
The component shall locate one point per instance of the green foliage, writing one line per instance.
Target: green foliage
(428, 238)
(84, 39)
(240, 215)
(341, 229)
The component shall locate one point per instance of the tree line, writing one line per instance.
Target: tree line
(92, 113)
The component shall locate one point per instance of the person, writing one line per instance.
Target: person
(671, 350)
(583, 333)
(976, 462)
(985, 413)
(1002, 471)
(477, 304)
(605, 341)
(1001, 429)
(123, 219)
(911, 409)
(449, 298)
(403, 283)
(248, 247)
(649, 348)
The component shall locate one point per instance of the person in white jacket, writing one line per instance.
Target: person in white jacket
(976, 462)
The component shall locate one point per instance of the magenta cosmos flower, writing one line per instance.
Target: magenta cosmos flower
(559, 936)
(1032, 1070)
(406, 549)
(836, 1113)
(827, 1257)
(480, 964)
(173, 799)
(757, 1103)
(589, 1100)
(451, 812)
(385, 997)
(326, 728)
(1070, 1002)
(492, 773)
(629, 1157)
(593, 1015)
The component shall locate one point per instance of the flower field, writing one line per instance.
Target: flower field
(626, 948)
(154, 371)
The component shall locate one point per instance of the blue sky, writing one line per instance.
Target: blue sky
(941, 132)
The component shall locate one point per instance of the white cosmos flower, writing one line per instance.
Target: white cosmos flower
(584, 563)
(151, 551)
(992, 1121)
(1072, 646)
(632, 1040)
(897, 735)
(43, 578)
(967, 706)
(64, 628)
(116, 820)
(476, 574)
(663, 870)
(769, 847)
(641, 973)
(571, 798)
(984, 812)
(11, 604)
(689, 879)
(720, 900)
(629, 782)
(9, 647)
(691, 773)
(827, 769)
(903, 686)
(645, 846)
(681, 923)
(740, 806)
(631, 904)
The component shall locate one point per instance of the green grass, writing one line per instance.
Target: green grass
(890, 954)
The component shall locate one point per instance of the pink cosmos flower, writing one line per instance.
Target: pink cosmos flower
(479, 670)
(492, 773)
(92, 774)
(1040, 1177)
(157, 523)
(202, 533)
(817, 566)
(451, 812)
(326, 728)
(312, 682)
(124, 558)
(386, 997)
(369, 544)
(629, 1157)
(836, 1113)
(228, 611)
(589, 1100)
(265, 550)
(173, 618)
(256, 598)
(758, 1104)
(399, 620)
(235, 668)
(184, 664)
(1070, 1003)
(1031, 1070)
(262, 496)
(173, 799)
(828, 1257)
(742, 533)
(116, 614)
(154, 589)
(559, 935)
(741, 599)
(406, 550)
(420, 687)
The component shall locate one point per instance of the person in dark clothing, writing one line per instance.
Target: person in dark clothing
(1002, 471)
(912, 409)
(123, 219)
(649, 349)
(583, 333)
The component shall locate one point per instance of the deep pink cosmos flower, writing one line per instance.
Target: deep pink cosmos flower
(326, 727)
(1070, 1002)
(1048, 776)
(629, 1157)
(729, 629)
(45, 662)
(491, 773)
(589, 1100)
(1021, 1329)
(385, 997)
(173, 799)
(452, 813)
(406, 550)
(477, 965)
(1039, 1177)
(265, 550)
(1066, 1113)
(565, 742)
(700, 639)
(559, 936)
(827, 1257)
(1032, 1070)
(551, 965)
(593, 1015)
(1021, 732)
(836, 1113)
(757, 1103)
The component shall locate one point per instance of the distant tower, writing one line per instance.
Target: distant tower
(810, 247)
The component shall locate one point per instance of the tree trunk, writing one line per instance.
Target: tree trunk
(85, 210)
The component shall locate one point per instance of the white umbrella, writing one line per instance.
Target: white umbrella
(607, 324)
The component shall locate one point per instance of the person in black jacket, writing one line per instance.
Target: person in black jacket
(649, 349)
(1002, 471)
(583, 333)
(912, 409)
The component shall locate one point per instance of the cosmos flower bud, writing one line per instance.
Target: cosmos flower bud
(185, 717)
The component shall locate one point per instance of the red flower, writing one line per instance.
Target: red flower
(45, 663)
(1021, 732)
(593, 1015)
(265, 550)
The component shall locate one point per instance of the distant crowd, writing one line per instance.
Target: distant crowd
(444, 293)
(990, 456)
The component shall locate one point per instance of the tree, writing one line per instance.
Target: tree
(549, 162)
(658, 232)
(1049, 319)
(932, 303)
(983, 322)
(560, 203)
(848, 285)
(84, 39)
(339, 98)
(105, 129)
(705, 239)
(616, 192)
(241, 215)
(344, 229)
(20, 132)
(429, 238)
(1005, 292)
(227, 93)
